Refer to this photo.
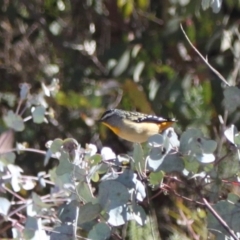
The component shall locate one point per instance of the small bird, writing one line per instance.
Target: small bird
(134, 126)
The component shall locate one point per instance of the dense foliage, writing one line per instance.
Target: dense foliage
(64, 176)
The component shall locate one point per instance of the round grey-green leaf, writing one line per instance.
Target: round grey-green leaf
(231, 98)
(112, 191)
(88, 212)
(38, 114)
(100, 231)
(4, 206)
(14, 121)
(156, 140)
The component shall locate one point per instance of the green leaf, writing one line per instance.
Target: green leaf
(231, 98)
(142, 4)
(38, 114)
(8, 158)
(95, 159)
(139, 214)
(56, 145)
(138, 70)
(100, 231)
(67, 213)
(206, 4)
(191, 164)
(156, 140)
(129, 179)
(227, 211)
(205, 158)
(122, 64)
(107, 154)
(95, 177)
(194, 144)
(189, 141)
(155, 158)
(172, 163)
(64, 165)
(88, 212)
(118, 215)
(138, 158)
(127, 9)
(31, 226)
(24, 90)
(114, 192)
(14, 121)
(233, 198)
(63, 232)
(4, 206)
(156, 178)
(84, 192)
(232, 134)
(216, 5)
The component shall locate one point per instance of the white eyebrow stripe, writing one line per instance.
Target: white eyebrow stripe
(107, 115)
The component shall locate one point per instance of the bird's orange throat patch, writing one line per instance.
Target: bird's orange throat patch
(165, 125)
(114, 129)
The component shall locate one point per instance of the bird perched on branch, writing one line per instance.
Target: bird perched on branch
(135, 126)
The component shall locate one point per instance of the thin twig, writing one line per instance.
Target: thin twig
(23, 150)
(219, 218)
(204, 59)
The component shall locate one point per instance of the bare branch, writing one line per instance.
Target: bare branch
(204, 59)
(219, 218)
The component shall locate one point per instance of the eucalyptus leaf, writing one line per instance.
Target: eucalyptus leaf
(156, 178)
(56, 145)
(4, 206)
(112, 192)
(118, 215)
(171, 139)
(24, 90)
(139, 215)
(156, 140)
(138, 70)
(194, 144)
(227, 211)
(14, 121)
(127, 178)
(205, 158)
(88, 212)
(107, 154)
(38, 114)
(206, 4)
(231, 98)
(216, 5)
(100, 231)
(8, 158)
(64, 165)
(110, 176)
(63, 232)
(84, 193)
(155, 158)
(122, 64)
(172, 163)
(138, 158)
(232, 135)
(140, 190)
